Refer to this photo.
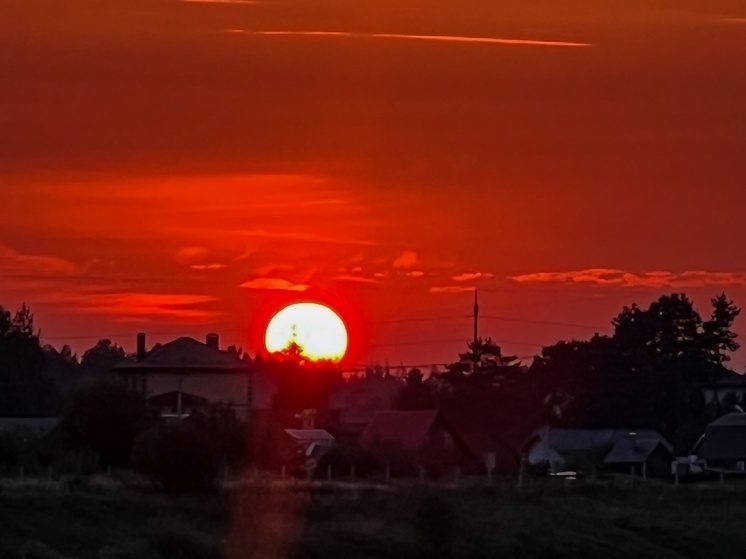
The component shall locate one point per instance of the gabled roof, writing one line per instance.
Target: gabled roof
(632, 450)
(571, 440)
(736, 419)
(730, 380)
(310, 435)
(186, 354)
(39, 425)
(409, 429)
(725, 438)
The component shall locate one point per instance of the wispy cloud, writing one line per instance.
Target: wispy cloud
(274, 284)
(273, 268)
(15, 263)
(656, 279)
(222, 1)
(208, 266)
(415, 274)
(191, 253)
(451, 289)
(406, 259)
(301, 237)
(355, 279)
(434, 38)
(470, 276)
(140, 304)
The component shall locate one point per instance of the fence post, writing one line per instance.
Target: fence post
(284, 472)
(520, 473)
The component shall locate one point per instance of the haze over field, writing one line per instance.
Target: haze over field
(167, 166)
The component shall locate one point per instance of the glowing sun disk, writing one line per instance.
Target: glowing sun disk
(315, 328)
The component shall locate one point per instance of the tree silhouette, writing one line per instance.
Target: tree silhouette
(26, 389)
(483, 364)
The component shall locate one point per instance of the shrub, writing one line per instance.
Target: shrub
(178, 456)
(105, 418)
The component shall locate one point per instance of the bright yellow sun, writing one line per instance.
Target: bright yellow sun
(316, 329)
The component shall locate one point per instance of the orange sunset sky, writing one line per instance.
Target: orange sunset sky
(172, 166)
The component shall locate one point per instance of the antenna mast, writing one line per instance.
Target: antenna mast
(474, 349)
(476, 315)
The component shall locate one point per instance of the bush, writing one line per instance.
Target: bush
(342, 457)
(179, 456)
(105, 418)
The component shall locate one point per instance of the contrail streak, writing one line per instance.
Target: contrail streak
(439, 38)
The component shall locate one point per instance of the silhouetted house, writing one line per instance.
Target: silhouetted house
(185, 374)
(493, 452)
(353, 405)
(723, 446)
(731, 386)
(417, 436)
(306, 447)
(583, 449)
(645, 457)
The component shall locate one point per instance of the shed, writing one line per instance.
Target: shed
(645, 457)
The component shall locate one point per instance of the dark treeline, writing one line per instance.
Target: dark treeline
(649, 373)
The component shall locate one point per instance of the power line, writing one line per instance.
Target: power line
(545, 322)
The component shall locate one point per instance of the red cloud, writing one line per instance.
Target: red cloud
(451, 289)
(656, 279)
(406, 259)
(275, 284)
(14, 263)
(469, 276)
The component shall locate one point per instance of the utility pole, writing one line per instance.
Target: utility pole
(476, 315)
(476, 330)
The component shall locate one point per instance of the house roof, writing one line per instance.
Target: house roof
(572, 440)
(735, 419)
(406, 428)
(725, 438)
(633, 450)
(186, 354)
(309, 435)
(39, 425)
(732, 380)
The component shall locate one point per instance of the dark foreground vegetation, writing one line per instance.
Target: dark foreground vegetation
(295, 521)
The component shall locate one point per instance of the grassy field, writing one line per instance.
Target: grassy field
(542, 521)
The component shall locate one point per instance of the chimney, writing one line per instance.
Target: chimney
(141, 351)
(213, 341)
